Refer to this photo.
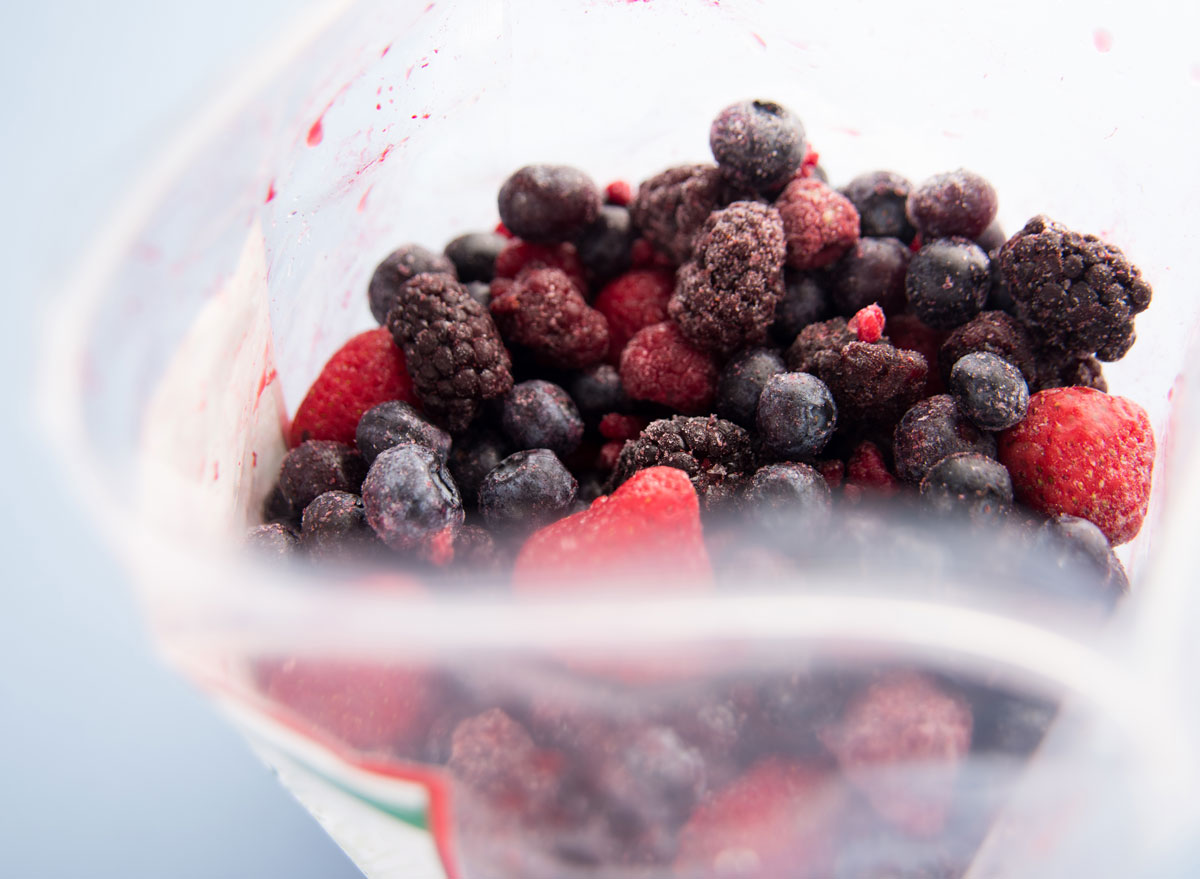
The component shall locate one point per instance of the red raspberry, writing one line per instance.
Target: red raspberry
(634, 300)
(820, 223)
(660, 365)
(808, 167)
(544, 311)
(1084, 453)
(867, 469)
(867, 323)
(615, 426)
(606, 458)
(366, 371)
(619, 192)
(834, 471)
(518, 256)
(643, 255)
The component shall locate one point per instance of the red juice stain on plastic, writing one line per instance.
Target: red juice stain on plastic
(270, 193)
(317, 133)
(1102, 39)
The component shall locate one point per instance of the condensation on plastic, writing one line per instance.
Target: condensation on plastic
(240, 266)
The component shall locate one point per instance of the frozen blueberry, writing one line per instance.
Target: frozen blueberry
(873, 271)
(882, 198)
(540, 415)
(805, 301)
(1009, 724)
(742, 381)
(989, 390)
(758, 145)
(480, 292)
(606, 246)
(412, 502)
(932, 429)
(525, 491)
(970, 482)
(782, 496)
(394, 422)
(991, 238)
(472, 456)
(599, 390)
(273, 539)
(1079, 545)
(548, 203)
(397, 267)
(796, 415)
(474, 255)
(318, 466)
(335, 527)
(947, 282)
(958, 203)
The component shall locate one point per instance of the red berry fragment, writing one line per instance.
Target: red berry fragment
(661, 366)
(819, 222)
(634, 300)
(619, 192)
(867, 324)
(544, 311)
(518, 256)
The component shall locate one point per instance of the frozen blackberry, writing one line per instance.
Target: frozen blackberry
(670, 207)
(474, 255)
(548, 203)
(989, 390)
(968, 482)
(412, 502)
(994, 332)
(606, 245)
(725, 297)
(947, 282)
(395, 422)
(758, 145)
(958, 203)
(873, 384)
(540, 415)
(335, 528)
(715, 454)
(806, 300)
(317, 466)
(786, 498)
(544, 311)
(396, 269)
(1078, 294)
(742, 381)
(453, 350)
(796, 415)
(1077, 544)
(598, 390)
(272, 540)
(472, 456)
(931, 430)
(1058, 369)
(660, 366)
(873, 271)
(526, 491)
(819, 223)
(830, 335)
(881, 198)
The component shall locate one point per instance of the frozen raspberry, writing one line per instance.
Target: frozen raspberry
(607, 457)
(367, 370)
(758, 145)
(867, 323)
(619, 192)
(317, 466)
(671, 207)
(644, 255)
(526, 491)
(819, 223)
(474, 255)
(947, 282)
(725, 297)
(614, 426)
(545, 312)
(931, 430)
(993, 332)
(598, 390)
(394, 272)
(989, 390)
(272, 540)
(472, 456)
(1077, 293)
(872, 383)
(548, 203)
(661, 366)
(872, 271)
(538, 414)
(390, 424)
(335, 528)
(881, 198)
(832, 470)
(796, 415)
(968, 482)
(453, 347)
(957, 203)
(742, 381)
(412, 502)
(520, 256)
(1083, 453)
(806, 300)
(867, 469)
(634, 300)
(714, 453)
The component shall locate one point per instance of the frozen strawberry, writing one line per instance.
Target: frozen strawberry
(1084, 453)
(634, 300)
(366, 371)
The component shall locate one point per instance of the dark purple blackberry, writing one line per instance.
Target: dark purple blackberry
(991, 238)
(725, 297)
(412, 502)
(999, 296)
(931, 430)
(806, 300)
(1057, 369)
(873, 384)
(317, 466)
(452, 348)
(474, 255)
(796, 415)
(272, 540)
(829, 335)
(606, 246)
(526, 491)
(1078, 294)
(968, 482)
(670, 207)
(548, 203)
(947, 282)
(873, 271)
(989, 390)
(957, 203)
(787, 498)
(396, 269)
(598, 391)
(716, 454)
(472, 456)
(758, 145)
(1079, 549)
(540, 415)
(742, 381)
(994, 332)
(881, 198)
(335, 528)
(395, 422)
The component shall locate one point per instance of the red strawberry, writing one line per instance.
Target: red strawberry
(1082, 452)
(634, 300)
(366, 371)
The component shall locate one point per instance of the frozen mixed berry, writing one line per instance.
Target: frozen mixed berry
(806, 300)
(519, 257)
(480, 292)
(819, 223)
(472, 456)
(1010, 724)
(545, 312)
(526, 491)
(412, 502)
(881, 199)
(1077, 293)
(868, 323)
(959, 203)
(670, 207)
(634, 300)
(1081, 551)
(906, 331)
(725, 297)
(742, 381)
(494, 758)
(1083, 453)
(826, 336)
(659, 365)
(715, 454)
(538, 414)
(619, 192)
(781, 497)
(606, 245)
(947, 282)
(872, 384)
(872, 271)
(867, 470)
(992, 332)
(968, 482)
(474, 255)
(758, 145)
(317, 466)
(455, 352)
(548, 203)
(273, 539)
(931, 430)
(796, 415)
(394, 272)
(1057, 369)
(476, 550)
(615, 426)
(335, 528)
(989, 390)
(598, 390)
(991, 238)
(390, 424)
